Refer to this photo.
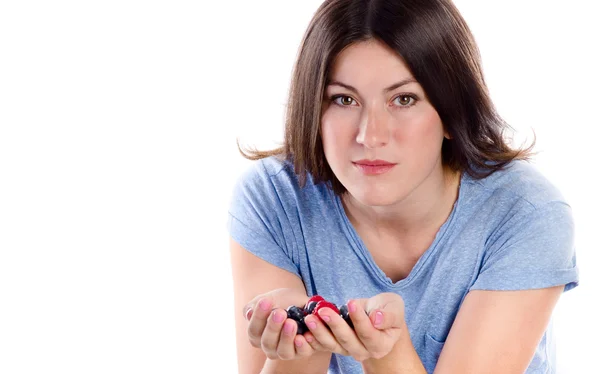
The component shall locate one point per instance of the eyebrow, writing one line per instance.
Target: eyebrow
(388, 89)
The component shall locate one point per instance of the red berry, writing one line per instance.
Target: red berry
(325, 304)
(316, 298)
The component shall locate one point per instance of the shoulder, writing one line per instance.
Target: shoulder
(521, 181)
(270, 173)
(272, 180)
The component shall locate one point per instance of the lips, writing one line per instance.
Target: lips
(374, 163)
(373, 167)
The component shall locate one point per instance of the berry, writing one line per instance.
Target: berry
(310, 306)
(324, 304)
(316, 298)
(311, 303)
(297, 314)
(345, 315)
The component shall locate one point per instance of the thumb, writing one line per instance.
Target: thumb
(385, 318)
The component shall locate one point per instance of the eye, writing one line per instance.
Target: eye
(405, 100)
(342, 100)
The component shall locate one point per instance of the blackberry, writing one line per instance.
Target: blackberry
(345, 315)
(297, 314)
(310, 306)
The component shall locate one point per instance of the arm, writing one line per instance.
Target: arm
(494, 332)
(497, 331)
(253, 276)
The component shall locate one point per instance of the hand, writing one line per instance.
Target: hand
(270, 329)
(378, 324)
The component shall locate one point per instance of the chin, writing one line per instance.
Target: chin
(374, 197)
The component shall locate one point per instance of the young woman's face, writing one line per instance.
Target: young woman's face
(374, 109)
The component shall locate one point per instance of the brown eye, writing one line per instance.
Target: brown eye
(343, 100)
(405, 100)
(346, 100)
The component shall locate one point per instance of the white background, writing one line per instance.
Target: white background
(118, 122)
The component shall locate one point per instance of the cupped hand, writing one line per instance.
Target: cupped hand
(378, 324)
(270, 329)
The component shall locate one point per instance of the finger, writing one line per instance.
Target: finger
(303, 347)
(285, 348)
(381, 320)
(270, 337)
(247, 312)
(323, 335)
(313, 342)
(344, 334)
(258, 321)
(389, 317)
(249, 308)
(386, 311)
(363, 327)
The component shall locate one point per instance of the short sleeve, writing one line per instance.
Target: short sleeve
(257, 219)
(536, 250)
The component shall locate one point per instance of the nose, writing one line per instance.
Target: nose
(373, 131)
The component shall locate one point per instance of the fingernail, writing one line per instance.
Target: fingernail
(277, 317)
(351, 307)
(264, 305)
(311, 325)
(324, 317)
(249, 314)
(309, 338)
(298, 343)
(378, 318)
(287, 328)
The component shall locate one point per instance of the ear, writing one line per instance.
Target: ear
(447, 135)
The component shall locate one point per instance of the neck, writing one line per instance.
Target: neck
(426, 208)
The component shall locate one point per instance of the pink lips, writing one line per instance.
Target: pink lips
(373, 167)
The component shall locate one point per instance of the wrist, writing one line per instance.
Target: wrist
(403, 358)
(385, 364)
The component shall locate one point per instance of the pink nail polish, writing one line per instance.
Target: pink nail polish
(264, 305)
(324, 317)
(287, 328)
(298, 343)
(277, 317)
(311, 325)
(351, 307)
(378, 318)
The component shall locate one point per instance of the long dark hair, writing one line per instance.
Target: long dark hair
(436, 44)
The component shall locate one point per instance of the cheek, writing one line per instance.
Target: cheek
(337, 132)
(425, 130)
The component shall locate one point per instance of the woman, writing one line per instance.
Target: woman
(396, 193)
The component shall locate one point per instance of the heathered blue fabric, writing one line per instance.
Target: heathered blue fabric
(510, 231)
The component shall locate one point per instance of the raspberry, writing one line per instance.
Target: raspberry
(324, 304)
(311, 303)
(316, 298)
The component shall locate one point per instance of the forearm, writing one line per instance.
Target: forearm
(403, 359)
(318, 363)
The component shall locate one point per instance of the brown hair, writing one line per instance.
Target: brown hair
(437, 46)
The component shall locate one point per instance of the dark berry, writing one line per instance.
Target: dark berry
(310, 306)
(302, 328)
(297, 314)
(345, 315)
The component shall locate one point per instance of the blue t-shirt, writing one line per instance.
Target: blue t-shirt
(510, 231)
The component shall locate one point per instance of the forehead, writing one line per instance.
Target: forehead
(370, 57)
